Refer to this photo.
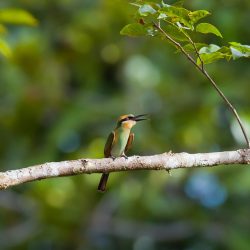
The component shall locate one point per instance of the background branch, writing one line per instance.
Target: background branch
(165, 161)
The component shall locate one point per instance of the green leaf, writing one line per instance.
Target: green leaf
(213, 52)
(176, 4)
(195, 16)
(244, 48)
(176, 14)
(175, 33)
(190, 48)
(226, 51)
(17, 16)
(209, 49)
(208, 28)
(209, 58)
(146, 9)
(134, 29)
(175, 11)
(238, 50)
(238, 54)
(5, 49)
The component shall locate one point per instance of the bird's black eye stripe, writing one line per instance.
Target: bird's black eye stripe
(124, 119)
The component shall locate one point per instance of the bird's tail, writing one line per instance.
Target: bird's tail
(103, 182)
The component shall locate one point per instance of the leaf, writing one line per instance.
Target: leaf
(190, 48)
(134, 29)
(17, 16)
(175, 11)
(238, 50)
(175, 33)
(213, 52)
(244, 48)
(146, 9)
(176, 14)
(209, 49)
(209, 58)
(226, 51)
(5, 49)
(208, 28)
(195, 16)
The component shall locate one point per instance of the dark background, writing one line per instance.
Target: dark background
(60, 94)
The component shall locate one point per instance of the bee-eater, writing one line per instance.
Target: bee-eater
(119, 142)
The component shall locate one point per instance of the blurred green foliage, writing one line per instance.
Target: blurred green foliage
(12, 16)
(61, 91)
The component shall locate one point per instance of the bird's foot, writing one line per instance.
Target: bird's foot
(112, 157)
(123, 155)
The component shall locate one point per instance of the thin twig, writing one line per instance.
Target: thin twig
(195, 49)
(205, 73)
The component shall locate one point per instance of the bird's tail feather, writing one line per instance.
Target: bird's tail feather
(103, 182)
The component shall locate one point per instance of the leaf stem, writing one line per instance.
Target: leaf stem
(205, 73)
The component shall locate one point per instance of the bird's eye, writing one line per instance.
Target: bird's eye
(125, 119)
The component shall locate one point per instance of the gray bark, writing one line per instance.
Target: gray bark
(166, 161)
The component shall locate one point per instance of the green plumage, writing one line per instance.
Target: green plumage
(121, 140)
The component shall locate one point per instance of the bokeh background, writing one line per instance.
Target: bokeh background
(61, 92)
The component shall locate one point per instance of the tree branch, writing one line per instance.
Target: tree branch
(165, 161)
(205, 73)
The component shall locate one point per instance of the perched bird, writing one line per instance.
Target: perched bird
(119, 142)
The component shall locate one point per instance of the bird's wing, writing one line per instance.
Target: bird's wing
(130, 141)
(108, 145)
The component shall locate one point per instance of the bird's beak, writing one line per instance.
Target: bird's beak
(138, 118)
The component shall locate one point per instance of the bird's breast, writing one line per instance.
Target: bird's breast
(120, 142)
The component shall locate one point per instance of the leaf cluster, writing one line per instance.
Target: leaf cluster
(182, 25)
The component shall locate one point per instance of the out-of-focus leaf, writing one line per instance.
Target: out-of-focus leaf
(17, 16)
(195, 16)
(208, 28)
(5, 49)
(2, 29)
(146, 9)
(238, 50)
(134, 29)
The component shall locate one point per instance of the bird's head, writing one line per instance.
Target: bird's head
(128, 121)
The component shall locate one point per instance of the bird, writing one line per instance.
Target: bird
(119, 142)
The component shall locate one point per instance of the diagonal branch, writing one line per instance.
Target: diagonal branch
(165, 161)
(205, 73)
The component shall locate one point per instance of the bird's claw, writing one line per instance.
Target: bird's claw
(124, 156)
